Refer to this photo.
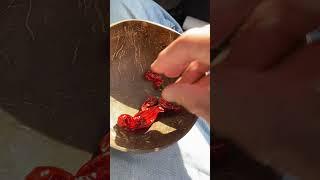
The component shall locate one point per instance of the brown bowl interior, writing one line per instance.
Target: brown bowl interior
(134, 45)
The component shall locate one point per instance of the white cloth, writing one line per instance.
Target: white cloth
(185, 160)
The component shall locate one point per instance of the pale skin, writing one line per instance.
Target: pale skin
(189, 59)
(266, 94)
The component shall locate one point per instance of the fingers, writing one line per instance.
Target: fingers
(193, 73)
(271, 32)
(188, 57)
(194, 97)
(192, 45)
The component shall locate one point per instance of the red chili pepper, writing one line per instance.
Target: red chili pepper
(168, 105)
(96, 169)
(149, 109)
(130, 123)
(152, 76)
(149, 115)
(151, 101)
(49, 173)
(155, 78)
(126, 121)
(143, 119)
(158, 84)
(104, 145)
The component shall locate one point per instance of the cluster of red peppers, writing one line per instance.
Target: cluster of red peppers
(147, 115)
(95, 169)
(155, 78)
(150, 109)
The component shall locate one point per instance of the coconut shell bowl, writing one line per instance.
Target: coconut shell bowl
(134, 45)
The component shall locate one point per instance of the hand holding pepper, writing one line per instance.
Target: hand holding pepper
(188, 57)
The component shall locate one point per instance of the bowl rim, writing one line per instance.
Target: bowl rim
(145, 21)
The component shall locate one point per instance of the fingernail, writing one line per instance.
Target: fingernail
(178, 80)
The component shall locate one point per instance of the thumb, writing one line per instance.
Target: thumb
(194, 98)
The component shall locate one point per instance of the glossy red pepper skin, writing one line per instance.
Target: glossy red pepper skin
(141, 120)
(126, 121)
(149, 109)
(155, 78)
(96, 169)
(104, 145)
(148, 116)
(168, 106)
(152, 76)
(151, 101)
(148, 113)
(158, 84)
(49, 173)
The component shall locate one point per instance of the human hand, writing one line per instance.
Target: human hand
(266, 92)
(188, 58)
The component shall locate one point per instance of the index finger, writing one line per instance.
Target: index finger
(190, 46)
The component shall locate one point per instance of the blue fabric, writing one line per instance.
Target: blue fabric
(185, 160)
(143, 10)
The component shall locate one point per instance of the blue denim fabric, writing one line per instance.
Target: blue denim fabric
(143, 10)
(185, 160)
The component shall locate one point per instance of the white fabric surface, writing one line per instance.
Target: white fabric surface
(185, 160)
